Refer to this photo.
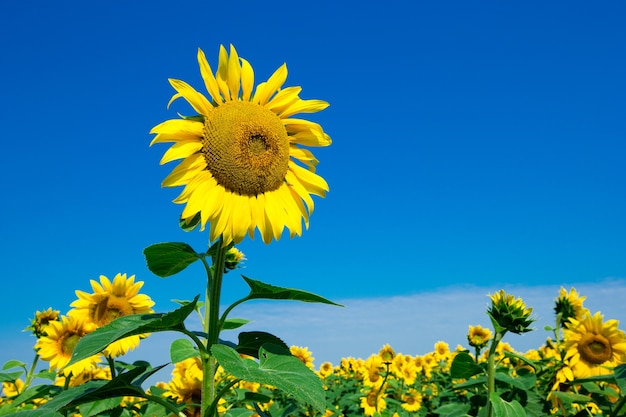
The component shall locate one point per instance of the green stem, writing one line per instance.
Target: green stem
(211, 326)
(491, 370)
(31, 372)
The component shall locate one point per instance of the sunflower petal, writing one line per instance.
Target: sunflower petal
(274, 83)
(222, 74)
(304, 106)
(181, 150)
(234, 74)
(311, 181)
(247, 80)
(199, 102)
(209, 79)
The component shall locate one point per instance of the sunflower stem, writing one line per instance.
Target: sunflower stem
(491, 370)
(211, 326)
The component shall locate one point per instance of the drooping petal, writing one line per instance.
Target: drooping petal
(311, 181)
(199, 102)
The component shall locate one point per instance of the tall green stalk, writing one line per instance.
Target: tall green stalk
(491, 370)
(211, 326)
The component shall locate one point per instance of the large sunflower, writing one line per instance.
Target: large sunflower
(243, 167)
(109, 301)
(593, 347)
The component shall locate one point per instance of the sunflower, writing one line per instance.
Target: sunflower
(243, 167)
(58, 344)
(569, 305)
(372, 403)
(478, 336)
(326, 369)
(412, 400)
(41, 320)
(302, 353)
(593, 347)
(109, 301)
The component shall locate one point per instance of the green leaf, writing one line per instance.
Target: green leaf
(525, 382)
(182, 349)
(260, 290)
(570, 397)
(238, 412)
(502, 408)
(13, 364)
(464, 366)
(166, 259)
(620, 377)
(251, 342)
(96, 341)
(10, 376)
(276, 368)
(192, 224)
(231, 324)
(97, 407)
(452, 410)
(513, 355)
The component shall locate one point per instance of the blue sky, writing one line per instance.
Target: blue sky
(475, 144)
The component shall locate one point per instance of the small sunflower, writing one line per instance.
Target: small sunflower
(478, 336)
(326, 369)
(372, 403)
(387, 354)
(302, 353)
(109, 301)
(41, 320)
(58, 344)
(593, 347)
(412, 400)
(243, 167)
(569, 305)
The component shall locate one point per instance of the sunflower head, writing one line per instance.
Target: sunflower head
(387, 354)
(41, 321)
(478, 336)
(508, 313)
(568, 305)
(243, 164)
(303, 353)
(592, 346)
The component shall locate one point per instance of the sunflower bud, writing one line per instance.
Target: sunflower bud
(509, 313)
(234, 257)
(387, 354)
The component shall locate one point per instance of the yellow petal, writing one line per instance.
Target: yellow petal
(247, 80)
(209, 79)
(222, 74)
(303, 155)
(181, 149)
(170, 129)
(234, 74)
(306, 133)
(240, 219)
(312, 182)
(304, 106)
(185, 171)
(284, 97)
(274, 83)
(199, 102)
(299, 189)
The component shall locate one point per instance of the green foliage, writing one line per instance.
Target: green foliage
(260, 290)
(276, 367)
(166, 259)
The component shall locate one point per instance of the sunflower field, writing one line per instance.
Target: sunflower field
(245, 170)
(578, 371)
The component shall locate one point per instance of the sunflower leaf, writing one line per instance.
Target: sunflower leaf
(250, 342)
(261, 290)
(96, 341)
(169, 258)
(276, 367)
(464, 366)
(504, 408)
(182, 349)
